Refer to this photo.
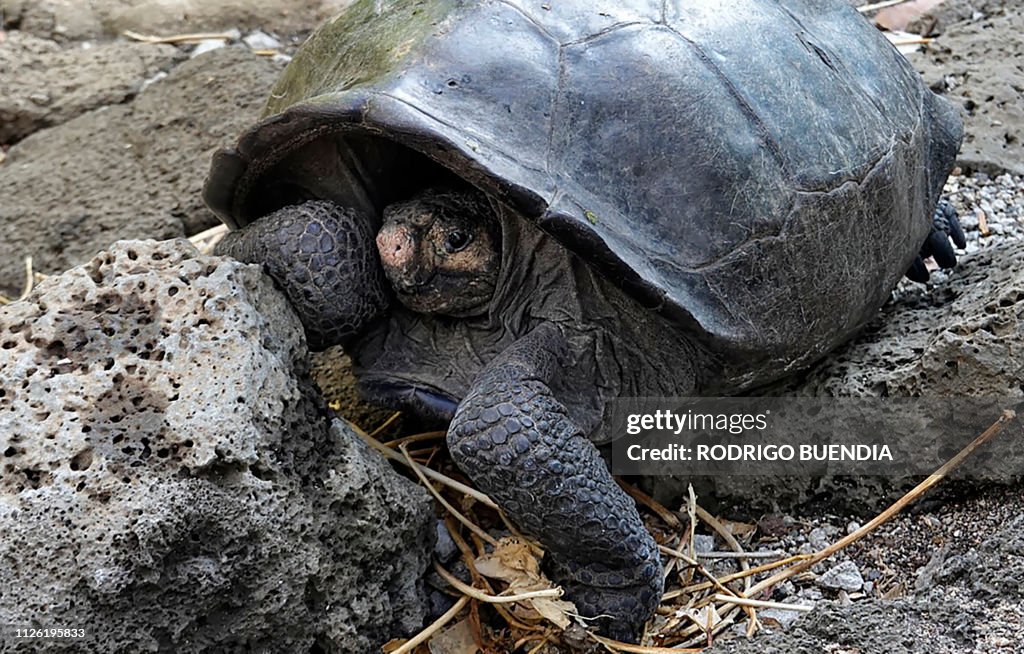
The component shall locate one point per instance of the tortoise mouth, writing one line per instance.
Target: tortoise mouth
(422, 399)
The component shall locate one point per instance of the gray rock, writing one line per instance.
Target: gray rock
(844, 576)
(907, 626)
(46, 85)
(782, 617)
(126, 171)
(703, 543)
(818, 539)
(261, 41)
(206, 45)
(172, 480)
(980, 67)
(75, 19)
(809, 594)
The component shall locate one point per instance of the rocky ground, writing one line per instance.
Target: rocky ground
(172, 481)
(103, 137)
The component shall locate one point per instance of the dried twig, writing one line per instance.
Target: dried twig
(879, 5)
(922, 40)
(180, 38)
(725, 535)
(617, 646)
(207, 240)
(884, 516)
(387, 423)
(469, 559)
(429, 472)
(644, 499)
(761, 604)
(481, 596)
(30, 280)
(740, 555)
(415, 438)
(433, 628)
(695, 564)
(695, 588)
(473, 527)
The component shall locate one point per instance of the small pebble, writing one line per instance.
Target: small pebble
(261, 41)
(784, 589)
(845, 576)
(703, 543)
(812, 594)
(445, 548)
(206, 46)
(783, 617)
(818, 538)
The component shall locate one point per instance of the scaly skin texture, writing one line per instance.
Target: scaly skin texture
(510, 434)
(324, 258)
(513, 438)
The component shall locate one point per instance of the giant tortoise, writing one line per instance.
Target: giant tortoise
(511, 212)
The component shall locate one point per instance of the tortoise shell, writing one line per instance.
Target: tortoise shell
(761, 172)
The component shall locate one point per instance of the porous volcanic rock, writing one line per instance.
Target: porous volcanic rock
(962, 335)
(980, 67)
(131, 170)
(46, 85)
(171, 479)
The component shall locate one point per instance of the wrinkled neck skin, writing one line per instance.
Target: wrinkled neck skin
(617, 348)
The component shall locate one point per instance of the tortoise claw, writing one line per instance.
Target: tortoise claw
(946, 232)
(918, 272)
(946, 220)
(941, 249)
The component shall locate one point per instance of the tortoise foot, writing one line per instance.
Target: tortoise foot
(324, 259)
(514, 439)
(946, 232)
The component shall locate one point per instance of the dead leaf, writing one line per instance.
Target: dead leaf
(511, 561)
(456, 639)
(898, 17)
(559, 612)
(738, 529)
(706, 618)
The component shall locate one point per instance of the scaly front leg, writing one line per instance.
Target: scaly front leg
(324, 258)
(514, 439)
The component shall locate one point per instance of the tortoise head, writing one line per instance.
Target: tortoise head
(441, 251)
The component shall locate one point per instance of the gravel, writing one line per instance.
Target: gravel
(997, 203)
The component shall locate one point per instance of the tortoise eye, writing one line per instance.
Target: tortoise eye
(456, 241)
